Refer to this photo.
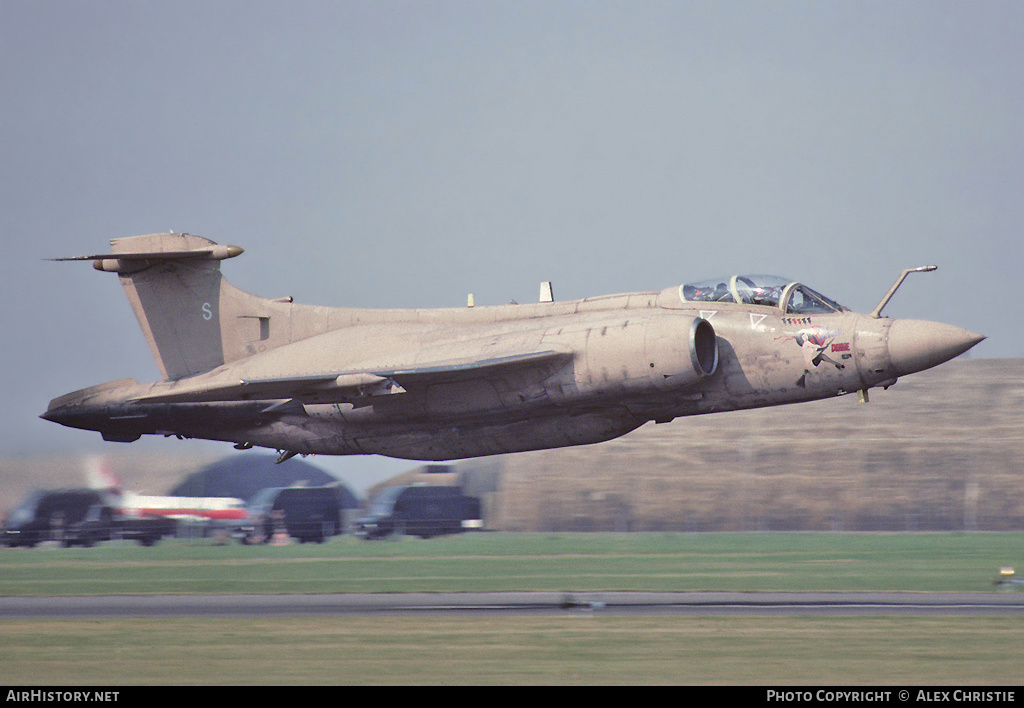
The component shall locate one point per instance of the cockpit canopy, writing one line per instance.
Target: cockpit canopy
(768, 290)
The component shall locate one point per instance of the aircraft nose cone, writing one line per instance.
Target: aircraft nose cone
(915, 345)
(64, 415)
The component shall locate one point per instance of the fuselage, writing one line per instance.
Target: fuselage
(221, 509)
(611, 364)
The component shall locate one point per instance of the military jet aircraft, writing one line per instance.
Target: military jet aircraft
(440, 384)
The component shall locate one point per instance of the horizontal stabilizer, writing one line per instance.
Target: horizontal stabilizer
(126, 263)
(214, 253)
(137, 253)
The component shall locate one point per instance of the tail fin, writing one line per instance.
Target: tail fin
(100, 477)
(193, 319)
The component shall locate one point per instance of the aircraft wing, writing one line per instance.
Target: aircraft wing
(346, 386)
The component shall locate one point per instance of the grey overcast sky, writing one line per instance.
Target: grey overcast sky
(393, 153)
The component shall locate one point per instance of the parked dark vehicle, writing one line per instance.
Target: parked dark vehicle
(77, 517)
(304, 513)
(146, 530)
(58, 515)
(422, 511)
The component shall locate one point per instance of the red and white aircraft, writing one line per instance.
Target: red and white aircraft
(222, 510)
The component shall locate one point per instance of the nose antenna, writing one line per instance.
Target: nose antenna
(877, 312)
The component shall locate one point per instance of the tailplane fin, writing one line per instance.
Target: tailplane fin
(193, 319)
(100, 477)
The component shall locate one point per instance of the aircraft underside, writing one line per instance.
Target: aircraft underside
(401, 428)
(434, 442)
(325, 432)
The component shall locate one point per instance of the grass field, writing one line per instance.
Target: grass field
(500, 561)
(577, 647)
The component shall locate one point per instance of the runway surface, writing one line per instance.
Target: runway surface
(609, 603)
